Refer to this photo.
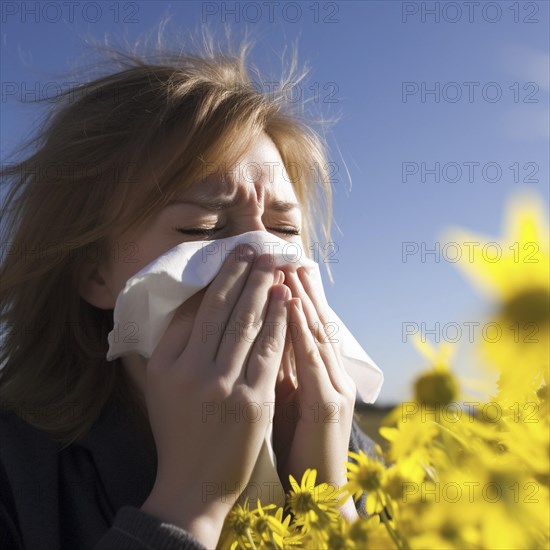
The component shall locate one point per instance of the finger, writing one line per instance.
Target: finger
(176, 336)
(268, 347)
(288, 364)
(247, 317)
(313, 377)
(218, 302)
(285, 368)
(333, 364)
(314, 323)
(286, 380)
(313, 320)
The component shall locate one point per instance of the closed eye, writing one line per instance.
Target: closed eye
(284, 230)
(208, 232)
(199, 231)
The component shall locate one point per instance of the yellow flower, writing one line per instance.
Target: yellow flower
(410, 439)
(293, 536)
(402, 481)
(269, 527)
(517, 264)
(516, 271)
(436, 387)
(313, 506)
(368, 475)
(238, 529)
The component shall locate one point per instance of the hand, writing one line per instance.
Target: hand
(199, 380)
(321, 393)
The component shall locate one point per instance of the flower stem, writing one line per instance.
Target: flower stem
(401, 545)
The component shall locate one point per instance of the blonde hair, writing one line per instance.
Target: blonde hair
(68, 195)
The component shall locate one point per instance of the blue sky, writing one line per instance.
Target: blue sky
(374, 63)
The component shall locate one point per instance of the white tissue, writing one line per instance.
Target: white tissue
(150, 298)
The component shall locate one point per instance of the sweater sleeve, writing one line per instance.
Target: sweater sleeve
(134, 529)
(359, 440)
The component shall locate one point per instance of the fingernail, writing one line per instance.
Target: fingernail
(279, 277)
(280, 292)
(247, 254)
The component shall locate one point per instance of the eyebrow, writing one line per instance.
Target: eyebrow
(219, 204)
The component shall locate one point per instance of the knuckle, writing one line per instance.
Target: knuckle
(245, 395)
(245, 319)
(319, 334)
(218, 301)
(321, 340)
(268, 344)
(313, 355)
(261, 274)
(220, 388)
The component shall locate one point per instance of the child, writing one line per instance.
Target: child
(104, 455)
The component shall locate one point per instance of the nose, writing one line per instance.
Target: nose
(255, 224)
(250, 223)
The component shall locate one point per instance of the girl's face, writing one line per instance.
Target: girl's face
(255, 194)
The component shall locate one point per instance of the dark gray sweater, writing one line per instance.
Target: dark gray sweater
(88, 495)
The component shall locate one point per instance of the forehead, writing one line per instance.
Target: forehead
(260, 168)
